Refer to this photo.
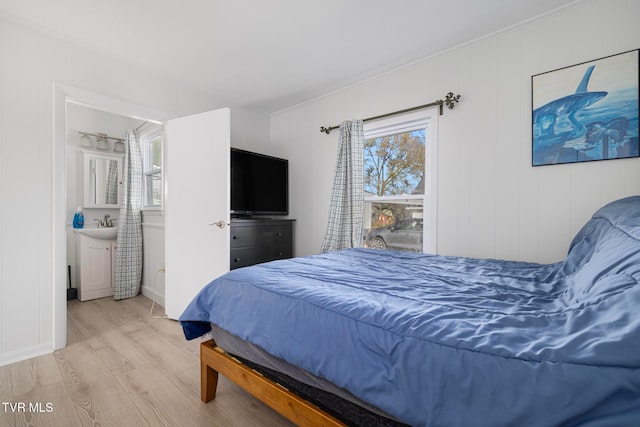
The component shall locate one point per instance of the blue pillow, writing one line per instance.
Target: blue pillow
(604, 256)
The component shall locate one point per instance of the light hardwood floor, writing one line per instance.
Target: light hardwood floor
(122, 368)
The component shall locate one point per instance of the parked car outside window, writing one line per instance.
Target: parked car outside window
(404, 235)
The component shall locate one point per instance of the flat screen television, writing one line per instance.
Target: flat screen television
(259, 184)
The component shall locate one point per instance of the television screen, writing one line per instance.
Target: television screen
(259, 184)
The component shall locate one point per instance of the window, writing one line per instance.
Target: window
(152, 169)
(398, 183)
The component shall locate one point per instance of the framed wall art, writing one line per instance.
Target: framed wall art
(587, 111)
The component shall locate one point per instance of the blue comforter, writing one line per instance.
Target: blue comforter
(449, 341)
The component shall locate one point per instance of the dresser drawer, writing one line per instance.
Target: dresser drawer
(250, 236)
(258, 241)
(242, 257)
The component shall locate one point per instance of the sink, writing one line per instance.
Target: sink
(104, 233)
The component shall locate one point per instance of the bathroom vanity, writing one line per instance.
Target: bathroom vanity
(95, 262)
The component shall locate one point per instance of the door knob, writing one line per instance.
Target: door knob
(219, 224)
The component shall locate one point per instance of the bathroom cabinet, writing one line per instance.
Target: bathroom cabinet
(102, 180)
(95, 261)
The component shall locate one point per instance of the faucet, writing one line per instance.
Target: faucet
(106, 222)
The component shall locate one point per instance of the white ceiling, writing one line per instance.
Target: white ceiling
(272, 54)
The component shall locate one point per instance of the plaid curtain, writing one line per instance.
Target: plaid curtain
(112, 183)
(129, 241)
(344, 229)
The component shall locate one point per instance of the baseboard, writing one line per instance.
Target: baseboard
(153, 296)
(14, 356)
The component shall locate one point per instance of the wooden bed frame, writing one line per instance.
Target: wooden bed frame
(214, 360)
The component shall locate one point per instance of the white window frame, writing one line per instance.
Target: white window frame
(426, 119)
(145, 143)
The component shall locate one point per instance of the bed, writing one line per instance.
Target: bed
(432, 340)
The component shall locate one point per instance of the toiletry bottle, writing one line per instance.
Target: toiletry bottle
(78, 218)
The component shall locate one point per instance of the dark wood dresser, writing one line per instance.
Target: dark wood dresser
(260, 240)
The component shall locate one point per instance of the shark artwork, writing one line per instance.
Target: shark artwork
(589, 125)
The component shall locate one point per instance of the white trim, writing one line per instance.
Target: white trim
(153, 209)
(431, 162)
(62, 94)
(156, 226)
(10, 357)
(150, 133)
(397, 124)
(153, 295)
(146, 139)
(393, 198)
(113, 105)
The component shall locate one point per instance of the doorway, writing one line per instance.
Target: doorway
(63, 97)
(93, 146)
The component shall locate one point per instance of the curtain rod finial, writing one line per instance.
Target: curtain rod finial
(325, 130)
(451, 100)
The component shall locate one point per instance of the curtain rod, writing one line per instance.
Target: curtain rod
(100, 135)
(450, 101)
(143, 123)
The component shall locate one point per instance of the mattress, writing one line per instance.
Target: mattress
(338, 402)
(436, 340)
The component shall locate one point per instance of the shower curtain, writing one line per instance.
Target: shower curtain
(128, 274)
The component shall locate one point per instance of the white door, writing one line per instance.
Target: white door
(196, 205)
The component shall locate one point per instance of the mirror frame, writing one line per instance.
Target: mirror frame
(88, 156)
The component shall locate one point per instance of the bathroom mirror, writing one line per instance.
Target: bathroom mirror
(102, 180)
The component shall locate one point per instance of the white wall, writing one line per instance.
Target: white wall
(491, 202)
(30, 63)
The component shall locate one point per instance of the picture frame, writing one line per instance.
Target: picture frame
(586, 112)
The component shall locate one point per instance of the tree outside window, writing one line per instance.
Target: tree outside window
(394, 174)
(394, 164)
